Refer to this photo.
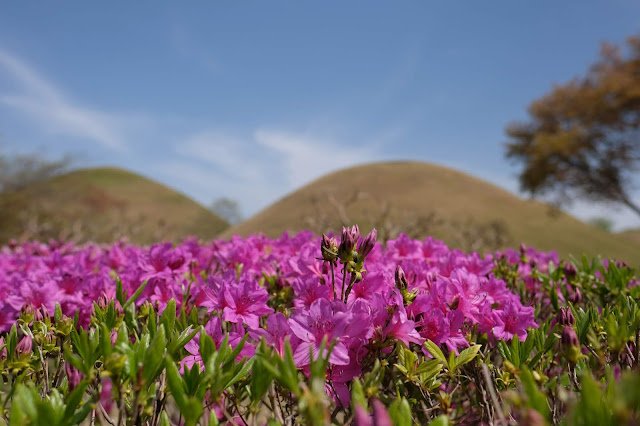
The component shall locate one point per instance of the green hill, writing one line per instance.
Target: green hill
(104, 204)
(425, 199)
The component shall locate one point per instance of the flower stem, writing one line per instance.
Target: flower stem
(344, 276)
(333, 281)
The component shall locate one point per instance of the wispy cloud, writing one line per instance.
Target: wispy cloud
(306, 157)
(52, 110)
(258, 168)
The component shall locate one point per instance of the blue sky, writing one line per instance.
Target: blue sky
(250, 100)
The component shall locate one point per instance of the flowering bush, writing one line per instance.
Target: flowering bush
(304, 329)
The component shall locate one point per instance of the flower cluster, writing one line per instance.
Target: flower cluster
(314, 328)
(410, 291)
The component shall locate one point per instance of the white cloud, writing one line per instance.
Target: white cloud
(51, 109)
(229, 154)
(257, 169)
(307, 157)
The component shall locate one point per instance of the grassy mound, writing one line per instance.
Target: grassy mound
(425, 199)
(104, 204)
(631, 235)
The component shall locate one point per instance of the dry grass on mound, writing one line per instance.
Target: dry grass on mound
(104, 204)
(422, 199)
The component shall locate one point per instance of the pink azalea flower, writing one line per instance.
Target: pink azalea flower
(322, 320)
(36, 294)
(513, 321)
(276, 332)
(246, 303)
(308, 291)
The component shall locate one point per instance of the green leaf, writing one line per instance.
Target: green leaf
(135, 295)
(287, 372)
(441, 420)
(261, 379)
(57, 313)
(73, 359)
(184, 338)
(12, 342)
(436, 352)
(318, 365)
(154, 356)
(242, 371)
(168, 317)
(592, 407)
(74, 399)
(81, 414)
(24, 408)
(120, 296)
(164, 419)
(429, 369)
(467, 355)
(176, 384)
(400, 412)
(515, 352)
(207, 346)
(537, 399)
(213, 419)
(357, 395)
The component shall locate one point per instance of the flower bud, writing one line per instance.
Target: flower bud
(571, 344)
(401, 279)
(106, 397)
(621, 264)
(368, 243)
(73, 376)
(569, 270)
(408, 296)
(523, 250)
(576, 296)
(329, 248)
(103, 301)
(348, 242)
(25, 346)
(28, 313)
(569, 336)
(41, 313)
(565, 317)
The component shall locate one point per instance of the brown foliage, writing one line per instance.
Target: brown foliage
(582, 138)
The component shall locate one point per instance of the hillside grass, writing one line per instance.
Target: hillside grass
(104, 204)
(422, 198)
(631, 235)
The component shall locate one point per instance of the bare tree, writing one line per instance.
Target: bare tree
(19, 217)
(20, 171)
(228, 209)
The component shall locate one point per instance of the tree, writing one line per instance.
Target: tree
(583, 138)
(20, 171)
(19, 217)
(603, 223)
(227, 209)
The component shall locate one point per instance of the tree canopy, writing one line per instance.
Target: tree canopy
(583, 137)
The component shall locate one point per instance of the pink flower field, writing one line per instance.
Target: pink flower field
(298, 309)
